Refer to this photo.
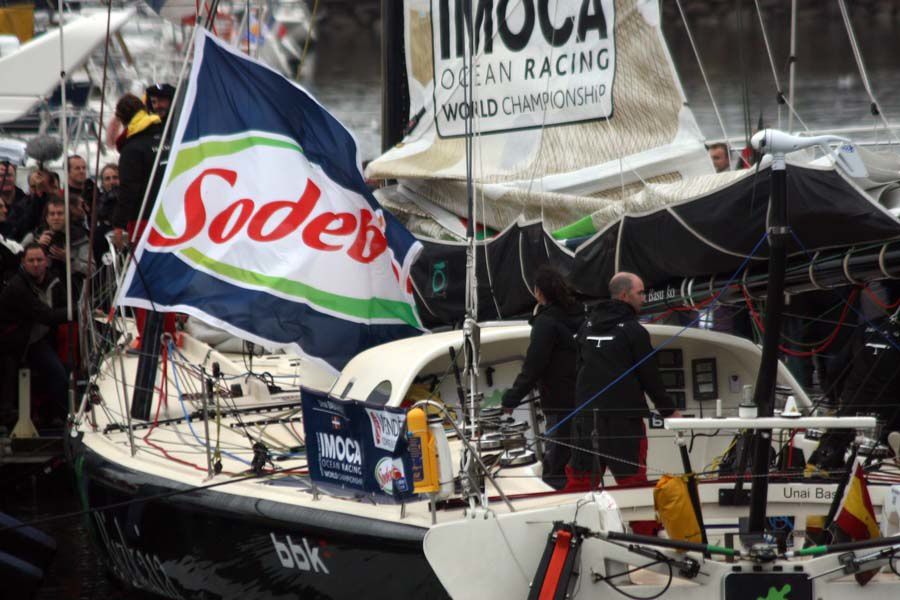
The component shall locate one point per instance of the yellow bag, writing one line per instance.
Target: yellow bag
(673, 505)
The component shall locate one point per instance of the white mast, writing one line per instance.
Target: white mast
(63, 122)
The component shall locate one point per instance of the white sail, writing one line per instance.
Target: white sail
(589, 102)
(32, 73)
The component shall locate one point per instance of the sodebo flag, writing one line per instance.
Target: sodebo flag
(264, 225)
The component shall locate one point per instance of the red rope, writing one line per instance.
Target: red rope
(874, 298)
(826, 343)
(683, 308)
(163, 398)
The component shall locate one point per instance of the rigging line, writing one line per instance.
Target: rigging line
(858, 313)
(544, 121)
(765, 37)
(236, 413)
(187, 417)
(179, 91)
(484, 245)
(792, 65)
(702, 71)
(665, 343)
(309, 30)
(479, 190)
(857, 55)
(94, 208)
(745, 84)
(878, 302)
(803, 354)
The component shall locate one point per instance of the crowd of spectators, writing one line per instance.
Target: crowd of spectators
(38, 245)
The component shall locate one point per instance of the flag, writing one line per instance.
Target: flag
(264, 225)
(856, 517)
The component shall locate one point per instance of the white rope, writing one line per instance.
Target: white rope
(702, 70)
(862, 69)
(762, 28)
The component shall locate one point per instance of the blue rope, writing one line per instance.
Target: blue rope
(187, 418)
(662, 345)
(173, 350)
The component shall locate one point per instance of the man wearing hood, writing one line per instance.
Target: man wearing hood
(549, 366)
(611, 427)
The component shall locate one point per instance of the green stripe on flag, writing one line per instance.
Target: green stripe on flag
(373, 308)
(188, 158)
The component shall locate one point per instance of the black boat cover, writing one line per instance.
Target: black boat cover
(701, 237)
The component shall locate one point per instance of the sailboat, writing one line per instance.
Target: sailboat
(253, 473)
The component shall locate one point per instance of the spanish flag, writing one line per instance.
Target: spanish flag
(856, 517)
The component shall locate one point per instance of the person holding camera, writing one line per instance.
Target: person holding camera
(51, 236)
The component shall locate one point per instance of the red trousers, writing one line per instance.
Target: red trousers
(583, 481)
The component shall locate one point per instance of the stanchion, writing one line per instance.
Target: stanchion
(24, 427)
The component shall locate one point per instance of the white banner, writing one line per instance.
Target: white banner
(536, 63)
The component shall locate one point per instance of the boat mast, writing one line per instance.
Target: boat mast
(63, 130)
(792, 66)
(395, 97)
(778, 144)
(764, 394)
(471, 333)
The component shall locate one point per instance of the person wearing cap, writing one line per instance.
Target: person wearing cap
(159, 99)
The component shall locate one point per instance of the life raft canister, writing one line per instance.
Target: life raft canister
(423, 452)
(672, 502)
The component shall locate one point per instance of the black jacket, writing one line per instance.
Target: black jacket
(24, 311)
(86, 192)
(135, 163)
(10, 257)
(609, 343)
(550, 362)
(14, 227)
(871, 384)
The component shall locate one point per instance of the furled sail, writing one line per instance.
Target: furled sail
(572, 97)
(686, 239)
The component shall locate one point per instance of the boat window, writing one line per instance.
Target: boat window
(381, 394)
(347, 389)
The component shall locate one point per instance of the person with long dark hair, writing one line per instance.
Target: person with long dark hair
(549, 365)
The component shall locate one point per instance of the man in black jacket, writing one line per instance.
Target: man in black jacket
(868, 384)
(611, 427)
(27, 319)
(79, 182)
(549, 366)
